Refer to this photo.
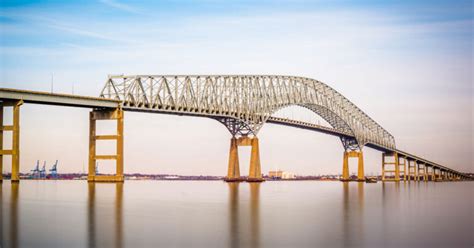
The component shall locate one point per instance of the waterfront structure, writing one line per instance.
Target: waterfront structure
(275, 174)
(243, 103)
(288, 175)
(54, 170)
(281, 174)
(35, 173)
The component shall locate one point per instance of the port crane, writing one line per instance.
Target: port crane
(36, 170)
(54, 170)
(43, 171)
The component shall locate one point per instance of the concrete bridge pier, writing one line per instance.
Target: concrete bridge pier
(411, 170)
(427, 173)
(94, 116)
(420, 172)
(438, 176)
(433, 175)
(395, 171)
(403, 167)
(424, 172)
(15, 129)
(255, 173)
(233, 171)
(444, 175)
(418, 168)
(360, 165)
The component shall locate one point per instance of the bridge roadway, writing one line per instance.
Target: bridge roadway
(16, 97)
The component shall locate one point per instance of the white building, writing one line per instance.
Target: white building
(287, 175)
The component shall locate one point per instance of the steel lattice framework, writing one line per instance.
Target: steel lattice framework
(245, 102)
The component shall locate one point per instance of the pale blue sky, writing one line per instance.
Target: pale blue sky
(408, 64)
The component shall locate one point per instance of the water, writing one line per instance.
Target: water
(218, 214)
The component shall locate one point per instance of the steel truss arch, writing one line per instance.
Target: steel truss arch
(251, 99)
(349, 144)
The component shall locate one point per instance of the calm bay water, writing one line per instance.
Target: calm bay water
(218, 214)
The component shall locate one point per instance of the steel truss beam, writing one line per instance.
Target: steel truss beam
(251, 99)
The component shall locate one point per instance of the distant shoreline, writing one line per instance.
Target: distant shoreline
(166, 177)
(180, 179)
(169, 177)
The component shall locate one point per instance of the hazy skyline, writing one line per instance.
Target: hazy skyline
(408, 65)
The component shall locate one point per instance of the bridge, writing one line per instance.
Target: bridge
(243, 104)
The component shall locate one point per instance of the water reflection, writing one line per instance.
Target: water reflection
(353, 214)
(14, 215)
(9, 237)
(391, 198)
(238, 216)
(277, 214)
(1, 214)
(98, 223)
(118, 214)
(234, 214)
(254, 214)
(91, 215)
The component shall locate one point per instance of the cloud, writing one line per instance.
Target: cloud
(120, 6)
(86, 33)
(54, 23)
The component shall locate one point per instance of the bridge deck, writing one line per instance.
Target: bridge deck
(331, 131)
(59, 99)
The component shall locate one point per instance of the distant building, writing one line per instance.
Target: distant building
(275, 174)
(281, 174)
(288, 175)
(170, 177)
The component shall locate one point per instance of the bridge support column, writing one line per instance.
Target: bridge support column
(360, 165)
(404, 167)
(437, 174)
(444, 175)
(255, 173)
(345, 167)
(425, 172)
(411, 170)
(1, 142)
(233, 171)
(433, 175)
(396, 167)
(95, 115)
(15, 129)
(420, 171)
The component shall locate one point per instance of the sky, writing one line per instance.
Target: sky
(407, 64)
